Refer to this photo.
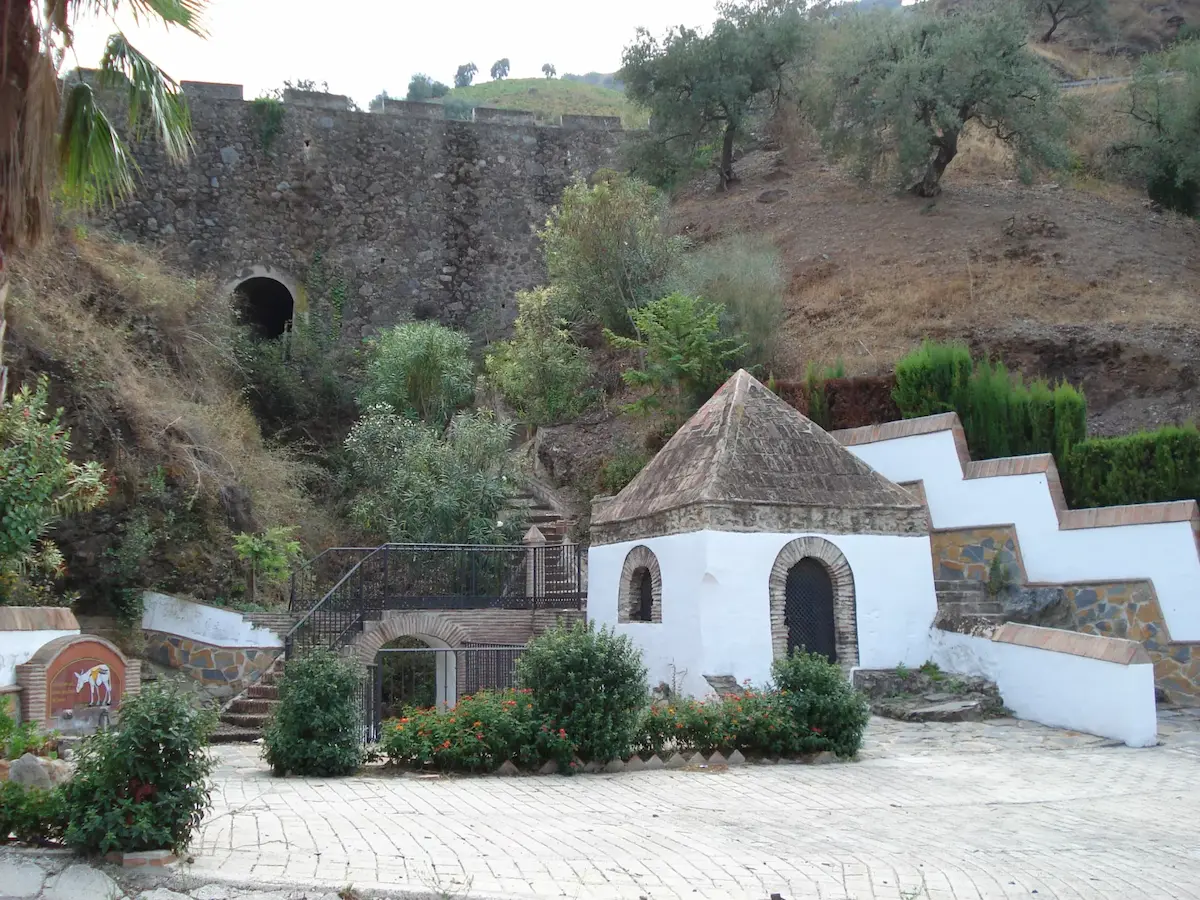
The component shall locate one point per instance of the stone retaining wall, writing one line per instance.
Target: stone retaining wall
(225, 671)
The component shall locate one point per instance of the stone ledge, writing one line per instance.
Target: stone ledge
(144, 859)
(1093, 646)
(1035, 464)
(37, 618)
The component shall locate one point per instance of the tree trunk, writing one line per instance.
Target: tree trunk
(1049, 34)
(3, 325)
(931, 184)
(727, 176)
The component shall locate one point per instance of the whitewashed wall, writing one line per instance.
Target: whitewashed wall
(17, 646)
(1059, 689)
(197, 622)
(1163, 553)
(716, 603)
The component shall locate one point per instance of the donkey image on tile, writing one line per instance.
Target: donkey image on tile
(96, 678)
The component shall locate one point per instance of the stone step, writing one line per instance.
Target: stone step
(251, 706)
(959, 584)
(245, 720)
(262, 691)
(231, 734)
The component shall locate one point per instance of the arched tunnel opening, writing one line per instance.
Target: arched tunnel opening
(266, 305)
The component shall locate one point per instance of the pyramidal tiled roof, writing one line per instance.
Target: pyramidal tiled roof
(748, 461)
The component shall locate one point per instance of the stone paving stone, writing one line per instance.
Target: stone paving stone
(20, 879)
(990, 811)
(80, 882)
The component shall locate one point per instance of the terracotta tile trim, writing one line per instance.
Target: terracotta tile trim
(1037, 464)
(1093, 646)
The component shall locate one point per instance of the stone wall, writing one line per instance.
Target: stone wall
(1110, 609)
(426, 217)
(224, 671)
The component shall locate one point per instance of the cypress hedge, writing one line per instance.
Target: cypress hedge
(1147, 467)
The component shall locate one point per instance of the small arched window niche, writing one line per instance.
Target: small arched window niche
(640, 595)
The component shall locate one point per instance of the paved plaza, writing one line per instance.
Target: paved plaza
(948, 812)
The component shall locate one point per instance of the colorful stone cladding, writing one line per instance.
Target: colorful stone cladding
(967, 554)
(1121, 609)
(1130, 610)
(233, 666)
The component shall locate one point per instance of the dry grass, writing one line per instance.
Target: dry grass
(870, 315)
(140, 358)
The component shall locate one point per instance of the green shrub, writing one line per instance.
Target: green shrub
(31, 815)
(742, 275)
(589, 681)
(932, 379)
(814, 388)
(19, 738)
(479, 734)
(684, 356)
(422, 370)
(418, 484)
(766, 722)
(609, 250)
(834, 713)
(39, 483)
(316, 728)
(541, 372)
(620, 469)
(143, 785)
(1148, 467)
(1001, 415)
(268, 556)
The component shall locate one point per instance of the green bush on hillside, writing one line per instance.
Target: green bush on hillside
(422, 370)
(1001, 415)
(1148, 467)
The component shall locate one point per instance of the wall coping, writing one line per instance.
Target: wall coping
(10, 689)
(37, 618)
(1036, 464)
(180, 637)
(51, 649)
(1121, 651)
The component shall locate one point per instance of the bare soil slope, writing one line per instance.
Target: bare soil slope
(1060, 282)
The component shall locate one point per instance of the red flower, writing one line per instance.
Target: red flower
(562, 732)
(816, 730)
(445, 745)
(479, 736)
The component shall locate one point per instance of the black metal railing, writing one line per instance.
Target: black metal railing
(313, 579)
(432, 576)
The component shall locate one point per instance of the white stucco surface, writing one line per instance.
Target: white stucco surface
(1059, 689)
(220, 627)
(716, 602)
(17, 646)
(1162, 553)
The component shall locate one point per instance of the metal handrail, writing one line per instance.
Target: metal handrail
(308, 615)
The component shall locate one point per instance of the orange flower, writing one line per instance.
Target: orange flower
(445, 745)
(478, 725)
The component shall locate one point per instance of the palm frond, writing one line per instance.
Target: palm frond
(157, 108)
(94, 163)
(184, 13)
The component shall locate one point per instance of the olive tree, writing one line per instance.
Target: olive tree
(1164, 103)
(894, 90)
(703, 88)
(1091, 13)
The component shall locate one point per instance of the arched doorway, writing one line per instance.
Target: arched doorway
(415, 670)
(808, 609)
(266, 305)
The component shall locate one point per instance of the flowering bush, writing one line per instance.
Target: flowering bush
(811, 708)
(479, 734)
(590, 681)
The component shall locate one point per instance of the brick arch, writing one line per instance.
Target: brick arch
(411, 624)
(640, 557)
(845, 620)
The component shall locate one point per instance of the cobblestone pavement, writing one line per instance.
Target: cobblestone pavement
(979, 810)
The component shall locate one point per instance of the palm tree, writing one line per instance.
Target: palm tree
(59, 136)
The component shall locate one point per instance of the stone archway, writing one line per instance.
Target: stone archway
(845, 619)
(434, 630)
(265, 299)
(640, 567)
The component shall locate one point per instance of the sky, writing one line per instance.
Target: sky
(361, 47)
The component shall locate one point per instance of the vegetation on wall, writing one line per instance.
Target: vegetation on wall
(268, 114)
(1147, 467)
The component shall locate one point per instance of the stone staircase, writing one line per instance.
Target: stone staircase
(967, 607)
(553, 525)
(243, 719)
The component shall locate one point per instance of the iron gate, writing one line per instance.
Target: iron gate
(808, 609)
(456, 672)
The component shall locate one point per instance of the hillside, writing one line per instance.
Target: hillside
(142, 361)
(1051, 278)
(549, 98)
